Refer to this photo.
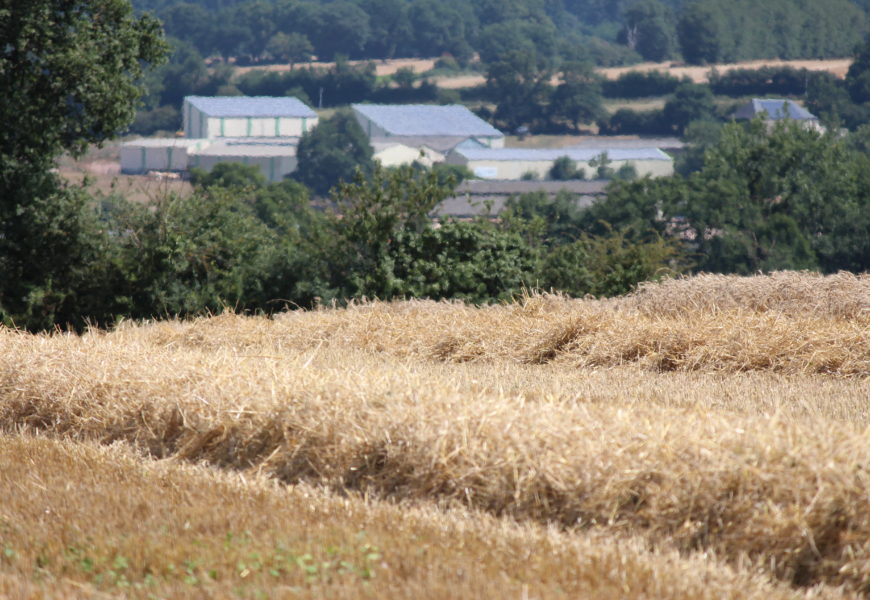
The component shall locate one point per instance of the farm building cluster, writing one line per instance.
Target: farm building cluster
(265, 132)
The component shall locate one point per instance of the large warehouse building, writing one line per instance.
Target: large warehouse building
(439, 128)
(514, 163)
(257, 131)
(244, 116)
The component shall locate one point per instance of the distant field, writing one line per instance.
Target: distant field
(837, 66)
(102, 168)
(703, 438)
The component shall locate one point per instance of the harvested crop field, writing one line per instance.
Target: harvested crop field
(703, 437)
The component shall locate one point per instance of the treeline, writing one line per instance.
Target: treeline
(699, 32)
(760, 200)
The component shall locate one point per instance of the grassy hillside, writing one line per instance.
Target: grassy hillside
(705, 437)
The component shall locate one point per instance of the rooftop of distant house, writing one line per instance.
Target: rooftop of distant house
(776, 109)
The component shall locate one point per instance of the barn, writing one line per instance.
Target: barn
(246, 117)
(437, 127)
(514, 163)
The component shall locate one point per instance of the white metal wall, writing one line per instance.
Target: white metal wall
(514, 170)
(274, 168)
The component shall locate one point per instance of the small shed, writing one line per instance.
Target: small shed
(246, 117)
(514, 163)
(158, 154)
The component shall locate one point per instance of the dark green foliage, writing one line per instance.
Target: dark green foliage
(148, 122)
(70, 76)
(475, 262)
(690, 102)
(373, 213)
(608, 265)
(649, 30)
(565, 169)
(338, 85)
(229, 175)
(202, 252)
(788, 198)
(606, 32)
(713, 31)
(544, 221)
(626, 121)
(521, 86)
(332, 152)
(577, 99)
(764, 81)
(574, 260)
(699, 137)
(638, 84)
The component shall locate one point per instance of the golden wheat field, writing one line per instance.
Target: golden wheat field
(706, 437)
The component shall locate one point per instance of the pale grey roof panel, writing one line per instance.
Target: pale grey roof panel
(251, 106)
(425, 119)
(551, 154)
(439, 143)
(776, 110)
(252, 151)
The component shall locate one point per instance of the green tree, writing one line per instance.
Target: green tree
(70, 74)
(374, 211)
(443, 27)
(578, 98)
(290, 48)
(690, 102)
(390, 27)
(565, 169)
(704, 34)
(522, 89)
(649, 30)
(473, 261)
(332, 152)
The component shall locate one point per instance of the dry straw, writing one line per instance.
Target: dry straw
(439, 401)
(198, 533)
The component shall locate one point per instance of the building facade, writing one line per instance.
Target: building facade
(243, 116)
(516, 163)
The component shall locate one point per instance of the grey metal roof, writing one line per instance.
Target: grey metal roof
(424, 119)
(776, 109)
(240, 150)
(551, 154)
(164, 143)
(251, 106)
(607, 142)
(258, 141)
(439, 143)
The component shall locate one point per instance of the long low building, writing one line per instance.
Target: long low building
(276, 159)
(514, 163)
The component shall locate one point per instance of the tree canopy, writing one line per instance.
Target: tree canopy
(71, 73)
